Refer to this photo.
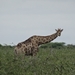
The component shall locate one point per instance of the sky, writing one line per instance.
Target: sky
(21, 19)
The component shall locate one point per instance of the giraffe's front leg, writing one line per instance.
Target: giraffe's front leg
(35, 50)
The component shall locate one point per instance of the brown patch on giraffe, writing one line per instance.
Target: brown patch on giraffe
(19, 45)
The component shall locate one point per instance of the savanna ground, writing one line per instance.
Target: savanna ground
(48, 61)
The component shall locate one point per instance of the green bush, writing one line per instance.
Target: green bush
(55, 45)
(46, 62)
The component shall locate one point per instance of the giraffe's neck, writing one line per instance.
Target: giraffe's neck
(52, 37)
(47, 39)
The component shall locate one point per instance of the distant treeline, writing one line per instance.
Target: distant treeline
(2, 47)
(56, 45)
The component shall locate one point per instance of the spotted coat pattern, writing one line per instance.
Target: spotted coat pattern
(31, 45)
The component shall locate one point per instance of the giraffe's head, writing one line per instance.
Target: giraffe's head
(58, 31)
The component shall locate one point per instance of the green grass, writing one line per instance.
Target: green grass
(47, 62)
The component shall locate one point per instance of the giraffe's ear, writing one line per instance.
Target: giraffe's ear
(62, 30)
(55, 29)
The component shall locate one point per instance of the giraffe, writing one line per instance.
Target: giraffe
(31, 45)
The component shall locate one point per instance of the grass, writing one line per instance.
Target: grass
(46, 62)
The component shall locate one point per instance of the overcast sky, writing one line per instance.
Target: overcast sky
(20, 19)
